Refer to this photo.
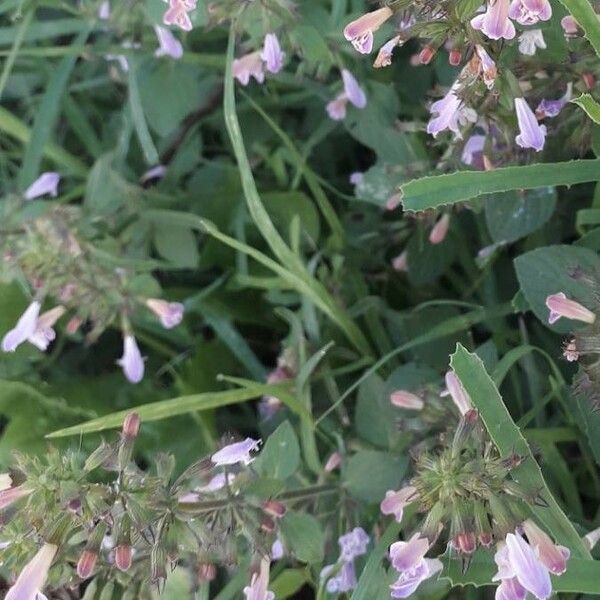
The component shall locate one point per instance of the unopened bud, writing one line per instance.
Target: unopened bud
(455, 57)
(274, 508)
(426, 55)
(466, 542)
(589, 80)
(333, 462)
(267, 524)
(86, 564)
(206, 572)
(123, 557)
(486, 539)
(73, 325)
(131, 425)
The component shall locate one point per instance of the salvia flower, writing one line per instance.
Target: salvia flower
(553, 556)
(360, 31)
(407, 400)
(249, 65)
(530, 41)
(238, 452)
(169, 313)
(177, 14)
(405, 556)
(510, 589)
(458, 393)
(24, 329)
(353, 544)
(531, 133)
(560, 306)
(272, 54)
(440, 229)
(131, 362)
(450, 113)
(46, 183)
(395, 502)
(494, 22)
(473, 147)
(169, 45)
(410, 580)
(336, 109)
(530, 12)
(343, 581)
(44, 332)
(257, 590)
(384, 57)
(352, 90)
(104, 10)
(33, 576)
(551, 108)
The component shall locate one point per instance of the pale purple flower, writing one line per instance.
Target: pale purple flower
(360, 31)
(510, 589)
(177, 14)
(473, 147)
(257, 590)
(450, 113)
(5, 481)
(249, 65)
(169, 45)
(104, 10)
(343, 581)
(24, 329)
(272, 53)
(560, 306)
(352, 90)
(440, 229)
(395, 501)
(569, 25)
(530, 12)
(407, 400)
(551, 108)
(494, 22)
(333, 462)
(356, 178)
(336, 109)
(238, 452)
(157, 172)
(353, 544)
(410, 580)
(46, 183)
(530, 41)
(488, 66)
(405, 556)
(277, 550)
(384, 57)
(131, 362)
(517, 559)
(457, 392)
(33, 576)
(44, 332)
(553, 556)
(531, 133)
(169, 313)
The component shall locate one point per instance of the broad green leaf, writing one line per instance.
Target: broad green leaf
(548, 270)
(302, 536)
(280, 456)
(178, 245)
(588, 419)
(288, 582)
(439, 190)
(589, 105)
(508, 439)
(378, 183)
(375, 417)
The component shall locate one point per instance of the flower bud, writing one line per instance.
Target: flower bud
(123, 557)
(274, 508)
(333, 462)
(589, 80)
(406, 400)
(267, 524)
(426, 55)
(206, 572)
(486, 539)
(86, 564)
(131, 425)
(466, 542)
(454, 57)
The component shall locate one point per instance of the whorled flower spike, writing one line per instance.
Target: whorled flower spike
(46, 183)
(395, 502)
(24, 329)
(560, 306)
(238, 452)
(131, 362)
(531, 133)
(33, 576)
(169, 45)
(272, 53)
(494, 22)
(360, 31)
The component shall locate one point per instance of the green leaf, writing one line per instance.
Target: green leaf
(178, 245)
(280, 456)
(546, 271)
(288, 582)
(508, 439)
(513, 215)
(369, 474)
(585, 15)
(588, 420)
(439, 190)
(375, 418)
(303, 536)
(589, 105)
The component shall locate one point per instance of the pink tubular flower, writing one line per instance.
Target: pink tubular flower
(394, 502)
(169, 45)
(257, 590)
(336, 109)
(177, 14)
(510, 589)
(458, 393)
(406, 400)
(530, 12)
(238, 452)
(551, 108)
(24, 329)
(405, 556)
(494, 22)
(44, 332)
(400, 262)
(169, 313)
(440, 229)
(131, 362)
(410, 580)
(352, 90)
(360, 31)
(384, 57)
(46, 183)
(272, 53)
(531, 133)
(560, 306)
(249, 65)
(553, 556)
(33, 576)
(473, 147)
(451, 113)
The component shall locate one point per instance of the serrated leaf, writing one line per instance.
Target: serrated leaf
(589, 105)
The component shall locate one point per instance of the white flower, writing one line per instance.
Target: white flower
(530, 41)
